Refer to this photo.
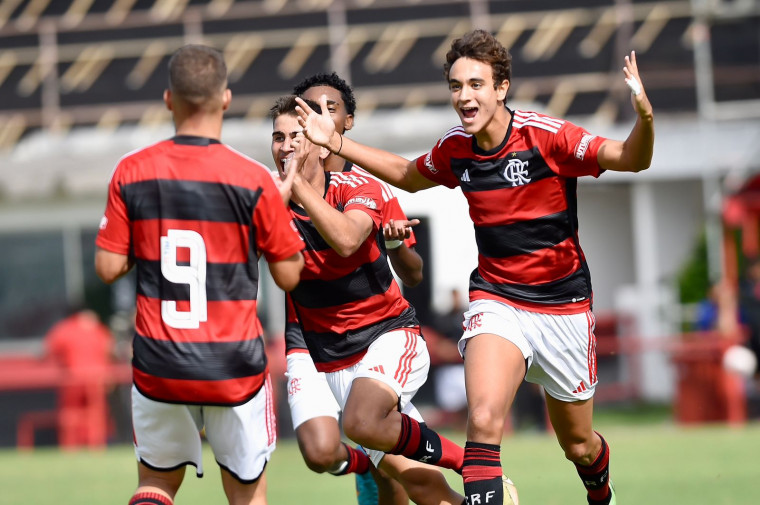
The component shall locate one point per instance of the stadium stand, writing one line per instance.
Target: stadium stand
(69, 63)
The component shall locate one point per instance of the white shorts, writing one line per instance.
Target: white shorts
(560, 349)
(399, 359)
(167, 436)
(309, 396)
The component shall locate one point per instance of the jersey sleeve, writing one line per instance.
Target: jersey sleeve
(276, 237)
(366, 197)
(435, 165)
(575, 152)
(114, 232)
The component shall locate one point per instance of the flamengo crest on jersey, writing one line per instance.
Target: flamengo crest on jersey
(522, 199)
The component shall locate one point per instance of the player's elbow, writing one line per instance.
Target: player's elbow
(287, 273)
(106, 276)
(109, 266)
(412, 279)
(346, 250)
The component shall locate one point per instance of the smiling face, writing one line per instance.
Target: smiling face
(340, 116)
(284, 130)
(479, 104)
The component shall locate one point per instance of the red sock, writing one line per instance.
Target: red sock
(595, 477)
(417, 441)
(150, 499)
(358, 461)
(482, 473)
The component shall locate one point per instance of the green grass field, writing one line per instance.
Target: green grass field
(653, 463)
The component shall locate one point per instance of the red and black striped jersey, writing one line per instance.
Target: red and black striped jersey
(522, 199)
(345, 304)
(294, 341)
(195, 215)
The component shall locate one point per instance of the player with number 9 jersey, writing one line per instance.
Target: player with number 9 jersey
(195, 215)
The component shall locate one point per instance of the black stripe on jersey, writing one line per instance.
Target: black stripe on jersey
(330, 347)
(294, 336)
(570, 289)
(571, 190)
(503, 172)
(189, 200)
(368, 280)
(206, 361)
(224, 281)
(311, 237)
(523, 237)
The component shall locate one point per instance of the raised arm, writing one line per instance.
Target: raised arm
(635, 153)
(393, 169)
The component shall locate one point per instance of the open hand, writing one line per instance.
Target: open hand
(318, 128)
(632, 79)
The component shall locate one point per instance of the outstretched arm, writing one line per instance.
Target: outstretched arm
(393, 169)
(635, 153)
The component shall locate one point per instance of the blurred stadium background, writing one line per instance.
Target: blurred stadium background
(80, 85)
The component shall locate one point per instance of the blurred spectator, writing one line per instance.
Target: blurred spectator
(719, 311)
(82, 345)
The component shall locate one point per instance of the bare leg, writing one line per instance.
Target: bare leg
(389, 491)
(239, 493)
(320, 444)
(494, 369)
(163, 483)
(572, 422)
(425, 484)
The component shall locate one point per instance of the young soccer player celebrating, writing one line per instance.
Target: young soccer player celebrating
(530, 295)
(313, 409)
(193, 216)
(358, 328)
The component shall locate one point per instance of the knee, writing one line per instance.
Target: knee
(581, 452)
(319, 455)
(358, 429)
(485, 422)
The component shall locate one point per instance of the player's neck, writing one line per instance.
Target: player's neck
(197, 126)
(492, 135)
(334, 163)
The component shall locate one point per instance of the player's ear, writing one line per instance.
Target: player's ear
(168, 98)
(226, 99)
(349, 122)
(501, 90)
(324, 153)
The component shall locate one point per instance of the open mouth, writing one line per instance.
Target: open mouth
(469, 112)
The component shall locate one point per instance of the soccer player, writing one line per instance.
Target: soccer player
(358, 328)
(530, 296)
(313, 408)
(194, 216)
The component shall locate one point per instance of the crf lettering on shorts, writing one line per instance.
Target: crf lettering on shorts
(480, 499)
(475, 322)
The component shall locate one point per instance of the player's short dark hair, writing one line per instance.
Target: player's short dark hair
(480, 45)
(332, 80)
(197, 73)
(287, 105)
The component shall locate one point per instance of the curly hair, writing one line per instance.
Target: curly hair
(480, 45)
(332, 80)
